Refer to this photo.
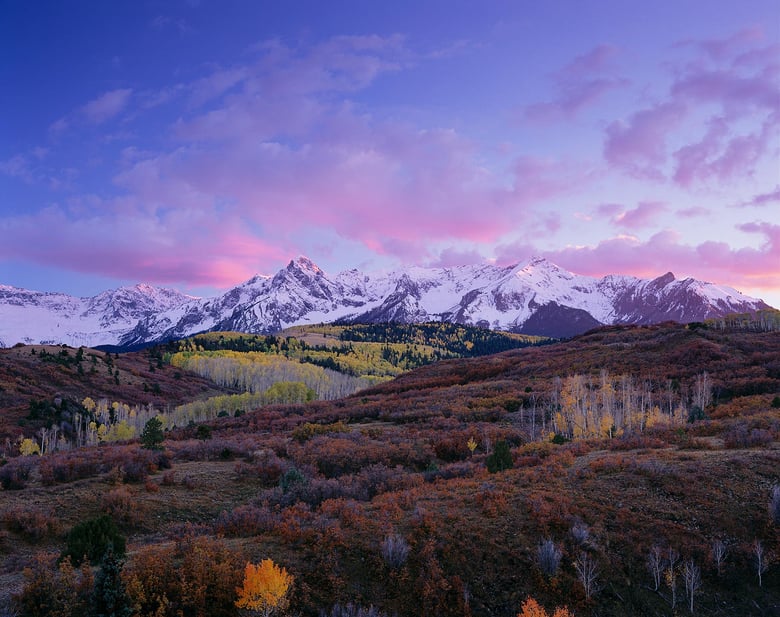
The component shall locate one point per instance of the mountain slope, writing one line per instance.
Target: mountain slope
(533, 297)
(54, 318)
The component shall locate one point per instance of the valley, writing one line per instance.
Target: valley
(440, 490)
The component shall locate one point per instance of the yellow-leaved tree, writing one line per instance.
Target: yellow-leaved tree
(265, 588)
(27, 447)
(531, 608)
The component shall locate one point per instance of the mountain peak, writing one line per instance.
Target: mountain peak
(541, 263)
(304, 264)
(534, 294)
(664, 280)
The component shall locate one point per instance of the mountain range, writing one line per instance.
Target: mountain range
(531, 297)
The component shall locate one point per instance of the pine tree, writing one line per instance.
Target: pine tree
(152, 435)
(92, 538)
(500, 459)
(109, 598)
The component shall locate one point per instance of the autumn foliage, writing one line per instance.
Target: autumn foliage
(385, 499)
(265, 588)
(531, 608)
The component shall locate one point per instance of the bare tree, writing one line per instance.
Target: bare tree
(774, 505)
(352, 610)
(655, 564)
(670, 577)
(548, 557)
(671, 557)
(719, 554)
(395, 550)
(692, 578)
(702, 391)
(580, 533)
(760, 559)
(588, 573)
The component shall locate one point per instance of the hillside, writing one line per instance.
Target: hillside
(39, 374)
(377, 499)
(45, 385)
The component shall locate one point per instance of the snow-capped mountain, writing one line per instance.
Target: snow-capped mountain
(40, 317)
(534, 297)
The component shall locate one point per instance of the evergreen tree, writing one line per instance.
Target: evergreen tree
(501, 458)
(152, 435)
(92, 538)
(109, 598)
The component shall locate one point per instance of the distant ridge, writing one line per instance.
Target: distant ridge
(531, 297)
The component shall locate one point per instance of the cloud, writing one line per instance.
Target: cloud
(106, 106)
(762, 199)
(286, 91)
(287, 150)
(96, 112)
(719, 49)
(729, 93)
(609, 210)
(266, 157)
(406, 189)
(450, 257)
(713, 261)
(201, 249)
(59, 126)
(163, 22)
(578, 85)
(643, 215)
(693, 212)
(216, 84)
(638, 145)
(18, 166)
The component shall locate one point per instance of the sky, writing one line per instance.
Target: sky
(195, 143)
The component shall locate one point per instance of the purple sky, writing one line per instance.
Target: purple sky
(194, 144)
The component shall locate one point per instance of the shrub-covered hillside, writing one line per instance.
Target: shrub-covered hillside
(630, 471)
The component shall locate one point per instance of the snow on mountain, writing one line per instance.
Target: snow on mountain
(53, 318)
(535, 297)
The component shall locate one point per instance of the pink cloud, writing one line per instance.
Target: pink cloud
(286, 153)
(693, 159)
(201, 249)
(609, 210)
(643, 215)
(720, 157)
(391, 187)
(728, 88)
(733, 86)
(713, 261)
(763, 199)
(456, 257)
(578, 85)
(638, 145)
(693, 212)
